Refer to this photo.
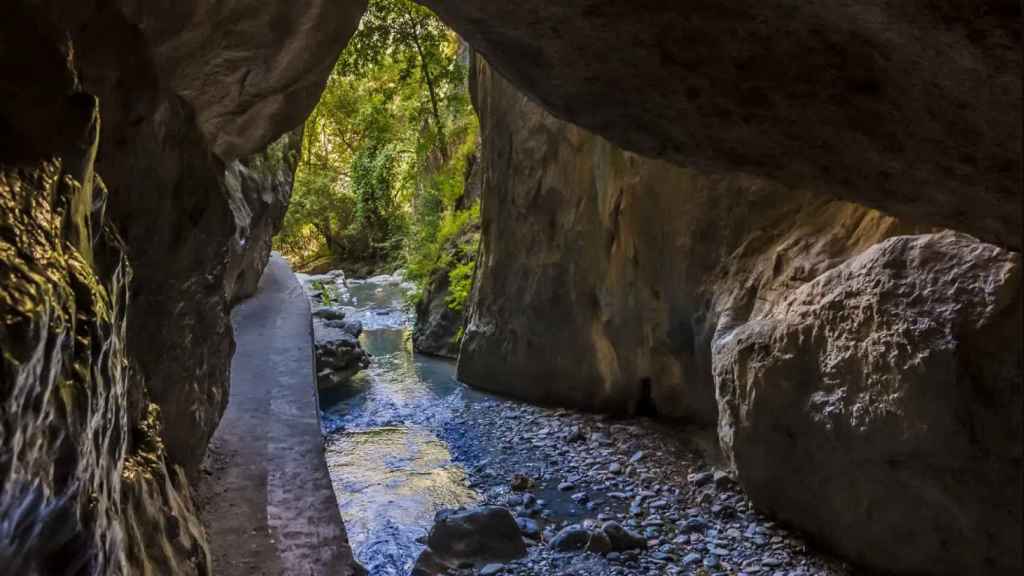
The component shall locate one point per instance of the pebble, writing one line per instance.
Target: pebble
(682, 516)
(700, 478)
(691, 559)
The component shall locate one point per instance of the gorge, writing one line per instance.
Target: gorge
(797, 225)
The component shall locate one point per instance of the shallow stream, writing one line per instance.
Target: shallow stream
(391, 431)
(405, 439)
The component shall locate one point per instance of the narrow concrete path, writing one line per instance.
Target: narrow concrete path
(266, 497)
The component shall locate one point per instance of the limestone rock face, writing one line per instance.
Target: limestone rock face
(251, 69)
(877, 406)
(85, 484)
(908, 107)
(438, 328)
(604, 275)
(184, 89)
(863, 373)
(258, 190)
(437, 325)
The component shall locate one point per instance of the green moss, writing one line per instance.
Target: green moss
(460, 283)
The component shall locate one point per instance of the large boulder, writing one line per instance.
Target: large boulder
(479, 535)
(878, 406)
(339, 355)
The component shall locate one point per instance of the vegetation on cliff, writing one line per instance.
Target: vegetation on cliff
(384, 153)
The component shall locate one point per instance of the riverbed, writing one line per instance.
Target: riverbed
(405, 439)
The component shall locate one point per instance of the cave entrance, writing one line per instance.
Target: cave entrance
(383, 215)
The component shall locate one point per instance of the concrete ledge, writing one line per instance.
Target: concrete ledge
(267, 500)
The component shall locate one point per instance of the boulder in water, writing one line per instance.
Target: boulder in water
(481, 535)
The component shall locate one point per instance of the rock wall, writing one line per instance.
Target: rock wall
(259, 189)
(908, 107)
(857, 375)
(85, 484)
(114, 381)
(438, 329)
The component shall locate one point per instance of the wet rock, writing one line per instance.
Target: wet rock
(529, 527)
(578, 537)
(338, 360)
(486, 533)
(328, 313)
(622, 539)
(353, 328)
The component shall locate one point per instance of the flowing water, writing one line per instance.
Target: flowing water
(391, 468)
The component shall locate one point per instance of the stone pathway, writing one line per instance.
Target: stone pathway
(265, 496)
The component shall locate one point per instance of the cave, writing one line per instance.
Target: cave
(826, 195)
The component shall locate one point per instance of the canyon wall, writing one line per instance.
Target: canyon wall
(120, 258)
(909, 107)
(863, 372)
(439, 328)
(85, 482)
(134, 132)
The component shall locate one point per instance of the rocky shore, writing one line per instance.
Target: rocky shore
(582, 487)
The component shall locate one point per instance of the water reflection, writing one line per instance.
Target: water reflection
(390, 482)
(390, 469)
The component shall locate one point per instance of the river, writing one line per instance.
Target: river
(405, 439)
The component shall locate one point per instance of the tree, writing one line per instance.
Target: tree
(414, 37)
(383, 151)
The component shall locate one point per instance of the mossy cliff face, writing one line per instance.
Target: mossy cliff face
(117, 344)
(85, 485)
(863, 374)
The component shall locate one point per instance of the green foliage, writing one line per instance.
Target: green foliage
(442, 235)
(460, 282)
(328, 293)
(383, 154)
